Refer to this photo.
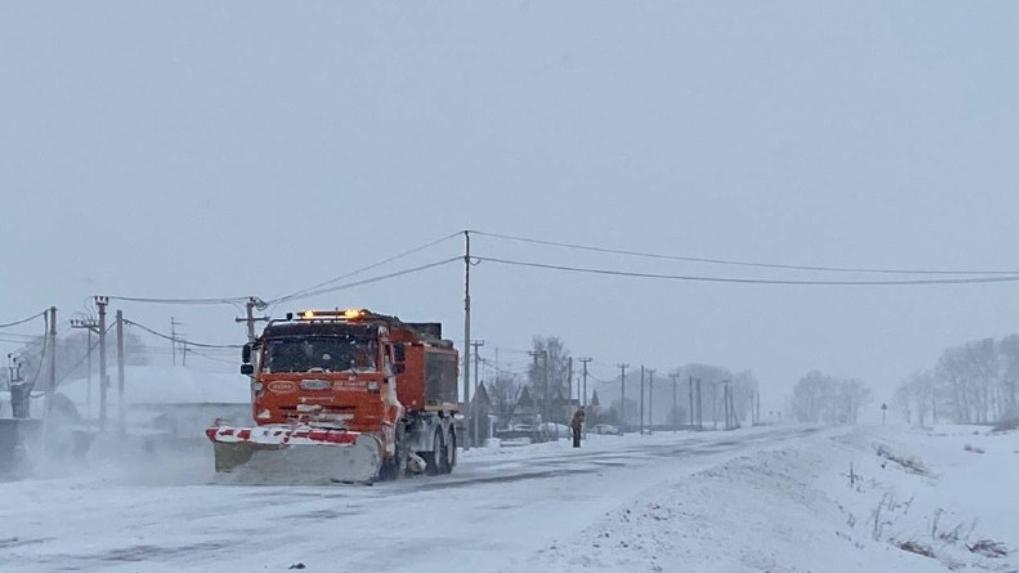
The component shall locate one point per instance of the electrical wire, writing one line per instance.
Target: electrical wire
(84, 357)
(213, 358)
(377, 278)
(24, 320)
(499, 369)
(42, 353)
(178, 339)
(741, 263)
(182, 301)
(303, 292)
(715, 279)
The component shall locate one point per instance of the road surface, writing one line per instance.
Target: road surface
(493, 514)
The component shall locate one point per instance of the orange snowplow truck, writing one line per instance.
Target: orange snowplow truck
(345, 395)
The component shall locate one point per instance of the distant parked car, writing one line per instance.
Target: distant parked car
(606, 429)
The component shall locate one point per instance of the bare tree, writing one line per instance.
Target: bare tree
(820, 398)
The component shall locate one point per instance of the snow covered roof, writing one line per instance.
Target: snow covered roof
(165, 385)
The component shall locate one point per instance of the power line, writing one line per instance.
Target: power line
(43, 352)
(84, 356)
(304, 292)
(23, 320)
(377, 278)
(213, 358)
(182, 301)
(742, 263)
(177, 338)
(502, 370)
(704, 278)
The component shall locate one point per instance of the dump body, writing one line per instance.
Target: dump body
(346, 385)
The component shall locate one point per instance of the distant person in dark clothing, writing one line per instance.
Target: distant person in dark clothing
(577, 423)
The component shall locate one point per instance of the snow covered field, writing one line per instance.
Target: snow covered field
(764, 499)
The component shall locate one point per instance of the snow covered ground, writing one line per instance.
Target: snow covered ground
(763, 499)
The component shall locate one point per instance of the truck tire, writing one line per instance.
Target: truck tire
(449, 457)
(434, 460)
(393, 467)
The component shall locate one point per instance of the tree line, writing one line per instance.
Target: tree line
(973, 383)
(553, 374)
(821, 398)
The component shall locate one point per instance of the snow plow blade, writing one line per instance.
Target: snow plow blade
(296, 454)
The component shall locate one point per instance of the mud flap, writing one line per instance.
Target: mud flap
(251, 462)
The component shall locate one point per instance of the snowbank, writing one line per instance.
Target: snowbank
(839, 504)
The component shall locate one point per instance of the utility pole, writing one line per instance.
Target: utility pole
(250, 318)
(88, 384)
(651, 401)
(548, 391)
(757, 411)
(642, 372)
(173, 338)
(700, 405)
(467, 325)
(53, 359)
(91, 326)
(472, 415)
(714, 405)
(675, 403)
(725, 399)
(691, 414)
(101, 302)
(569, 379)
(622, 397)
(21, 401)
(583, 362)
(120, 373)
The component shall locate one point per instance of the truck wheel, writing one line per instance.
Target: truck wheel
(449, 460)
(393, 467)
(434, 459)
(390, 469)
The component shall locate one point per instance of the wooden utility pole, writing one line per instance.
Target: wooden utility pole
(569, 379)
(88, 383)
(583, 362)
(101, 302)
(757, 411)
(692, 413)
(467, 327)
(250, 319)
(675, 402)
(714, 405)
(53, 358)
(700, 405)
(622, 397)
(173, 338)
(651, 401)
(472, 414)
(91, 326)
(725, 399)
(642, 374)
(121, 427)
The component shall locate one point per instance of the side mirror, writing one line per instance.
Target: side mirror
(246, 353)
(399, 352)
(247, 369)
(399, 368)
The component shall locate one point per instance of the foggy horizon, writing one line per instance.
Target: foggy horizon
(200, 163)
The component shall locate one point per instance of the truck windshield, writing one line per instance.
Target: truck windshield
(325, 353)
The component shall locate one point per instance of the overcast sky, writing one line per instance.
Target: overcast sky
(234, 148)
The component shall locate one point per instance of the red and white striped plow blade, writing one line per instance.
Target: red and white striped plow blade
(299, 454)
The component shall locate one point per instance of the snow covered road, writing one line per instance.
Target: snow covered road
(497, 510)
